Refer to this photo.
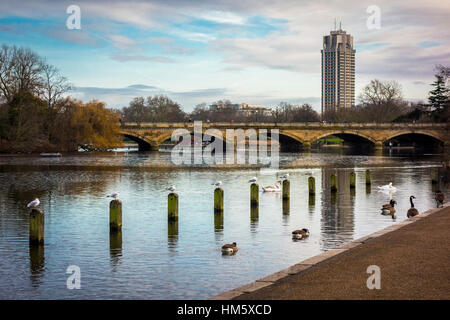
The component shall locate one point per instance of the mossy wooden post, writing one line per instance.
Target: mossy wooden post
(368, 180)
(286, 189)
(254, 195)
(172, 206)
(36, 227)
(218, 200)
(434, 175)
(115, 215)
(311, 186)
(333, 182)
(352, 180)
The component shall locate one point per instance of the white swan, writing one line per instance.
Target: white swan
(388, 187)
(34, 203)
(275, 188)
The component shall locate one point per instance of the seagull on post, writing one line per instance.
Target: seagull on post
(114, 195)
(34, 203)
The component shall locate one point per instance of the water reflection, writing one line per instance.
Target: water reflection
(37, 264)
(172, 233)
(254, 217)
(115, 248)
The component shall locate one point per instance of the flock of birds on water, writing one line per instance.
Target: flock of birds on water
(231, 248)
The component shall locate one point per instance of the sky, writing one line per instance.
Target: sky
(253, 51)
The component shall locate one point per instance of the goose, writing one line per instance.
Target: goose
(34, 203)
(388, 209)
(440, 198)
(275, 188)
(412, 211)
(300, 234)
(285, 176)
(114, 195)
(229, 248)
(217, 183)
(171, 188)
(252, 180)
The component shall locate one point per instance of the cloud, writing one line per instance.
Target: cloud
(141, 58)
(120, 97)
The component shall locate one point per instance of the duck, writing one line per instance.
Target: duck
(229, 248)
(412, 211)
(275, 188)
(440, 198)
(300, 234)
(34, 203)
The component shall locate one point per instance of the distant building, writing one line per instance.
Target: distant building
(338, 71)
(245, 109)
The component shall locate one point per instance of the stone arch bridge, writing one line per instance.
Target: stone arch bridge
(150, 135)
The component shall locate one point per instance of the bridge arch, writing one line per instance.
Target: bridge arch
(144, 143)
(419, 138)
(345, 132)
(413, 132)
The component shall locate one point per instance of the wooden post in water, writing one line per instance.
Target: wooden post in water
(352, 180)
(368, 181)
(311, 186)
(333, 181)
(172, 206)
(286, 189)
(36, 227)
(254, 195)
(115, 215)
(218, 200)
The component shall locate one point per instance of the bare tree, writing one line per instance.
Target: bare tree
(53, 85)
(20, 70)
(378, 92)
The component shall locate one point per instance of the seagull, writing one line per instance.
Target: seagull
(34, 203)
(114, 195)
(285, 176)
(252, 180)
(217, 183)
(171, 188)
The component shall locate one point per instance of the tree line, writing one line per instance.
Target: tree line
(35, 116)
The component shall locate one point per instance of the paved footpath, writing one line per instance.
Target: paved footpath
(413, 256)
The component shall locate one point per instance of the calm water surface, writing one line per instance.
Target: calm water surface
(154, 260)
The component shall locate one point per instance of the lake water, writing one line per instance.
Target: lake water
(151, 259)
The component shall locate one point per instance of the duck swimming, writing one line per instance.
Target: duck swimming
(300, 234)
(229, 248)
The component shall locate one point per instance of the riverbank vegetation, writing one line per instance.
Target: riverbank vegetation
(35, 116)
